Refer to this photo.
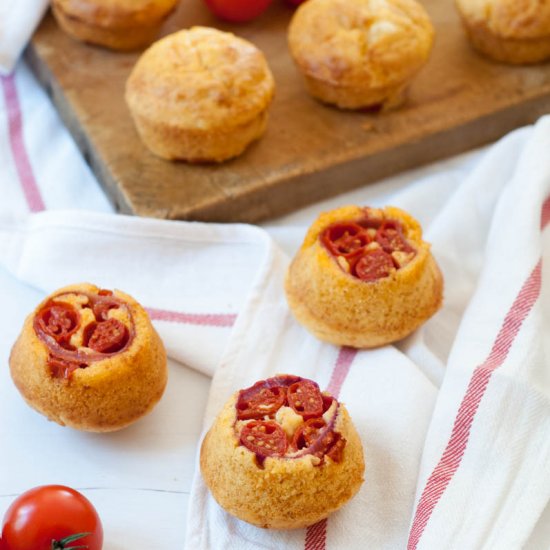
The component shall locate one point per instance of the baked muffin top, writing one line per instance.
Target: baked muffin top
(348, 41)
(520, 19)
(201, 79)
(119, 13)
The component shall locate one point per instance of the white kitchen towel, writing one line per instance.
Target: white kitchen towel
(18, 19)
(485, 465)
(40, 165)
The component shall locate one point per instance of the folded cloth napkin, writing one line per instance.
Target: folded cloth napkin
(18, 19)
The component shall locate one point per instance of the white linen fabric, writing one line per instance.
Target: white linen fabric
(455, 419)
(18, 19)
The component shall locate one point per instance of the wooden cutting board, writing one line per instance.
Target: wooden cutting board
(310, 151)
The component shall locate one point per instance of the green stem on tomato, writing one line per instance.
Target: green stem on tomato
(61, 544)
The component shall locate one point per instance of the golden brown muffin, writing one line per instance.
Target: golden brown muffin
(200, 95)
(360, 53)
(90, 359)
(116, 24)
(282, 455)
(509, 31)
(364, 277)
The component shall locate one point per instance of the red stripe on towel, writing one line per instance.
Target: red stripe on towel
(17, 143)
(545, 216)
(316, 535)
(202, 319)
(456, 446)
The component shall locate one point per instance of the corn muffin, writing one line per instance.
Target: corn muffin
(200, 95)
(282, 454)
(509, 31)
(364, 277)
(89, 358)
(360, 53)
(116, 24)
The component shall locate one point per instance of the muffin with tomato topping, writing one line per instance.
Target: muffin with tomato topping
(200, 95)
(364, 277)
(115, 24)
(282, 454)
(360, 53)
(89, 358)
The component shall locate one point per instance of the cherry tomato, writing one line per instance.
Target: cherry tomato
(260, 400)
(238, 11)
(307, 433)
(107, 337)
(59, 320)
(306, 399)
(345, 239)
(390, 237)
(375, 264)
(265, 438)
(50, 518)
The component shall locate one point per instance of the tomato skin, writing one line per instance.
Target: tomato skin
(50, 512)
(238, 11)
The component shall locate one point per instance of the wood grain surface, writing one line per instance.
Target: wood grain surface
(310, 151)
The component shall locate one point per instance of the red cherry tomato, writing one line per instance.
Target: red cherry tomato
(107, 337)
(390, 237)
(307, 433)
(238, 11)
(265, 438)
(48, 517)
(374, 265)
(59, 320)
(306, 399)
(345, 239)
(260, 400)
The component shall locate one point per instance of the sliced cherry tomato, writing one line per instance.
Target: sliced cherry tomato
(63, 368)
(330, 444)
(238, 11)
(102, 307)
(265, 438)
(390, 237)
(345, 239)
(51, 518)
(307, 433)
(107, 337)
(260, 400)
(58, 319)
(306, 399)
(374, 265)
(336, 448)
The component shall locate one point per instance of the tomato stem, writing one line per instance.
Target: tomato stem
(61, 544)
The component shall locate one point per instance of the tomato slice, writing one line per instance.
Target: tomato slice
(336, 449)
(102, 307)
(106, 337)
(63, 368)
(265, 438)
(59, 320)
(390, 237)
(345, 239)
(374, 265)
(306, 399)
(307, 433)
(260, 400)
